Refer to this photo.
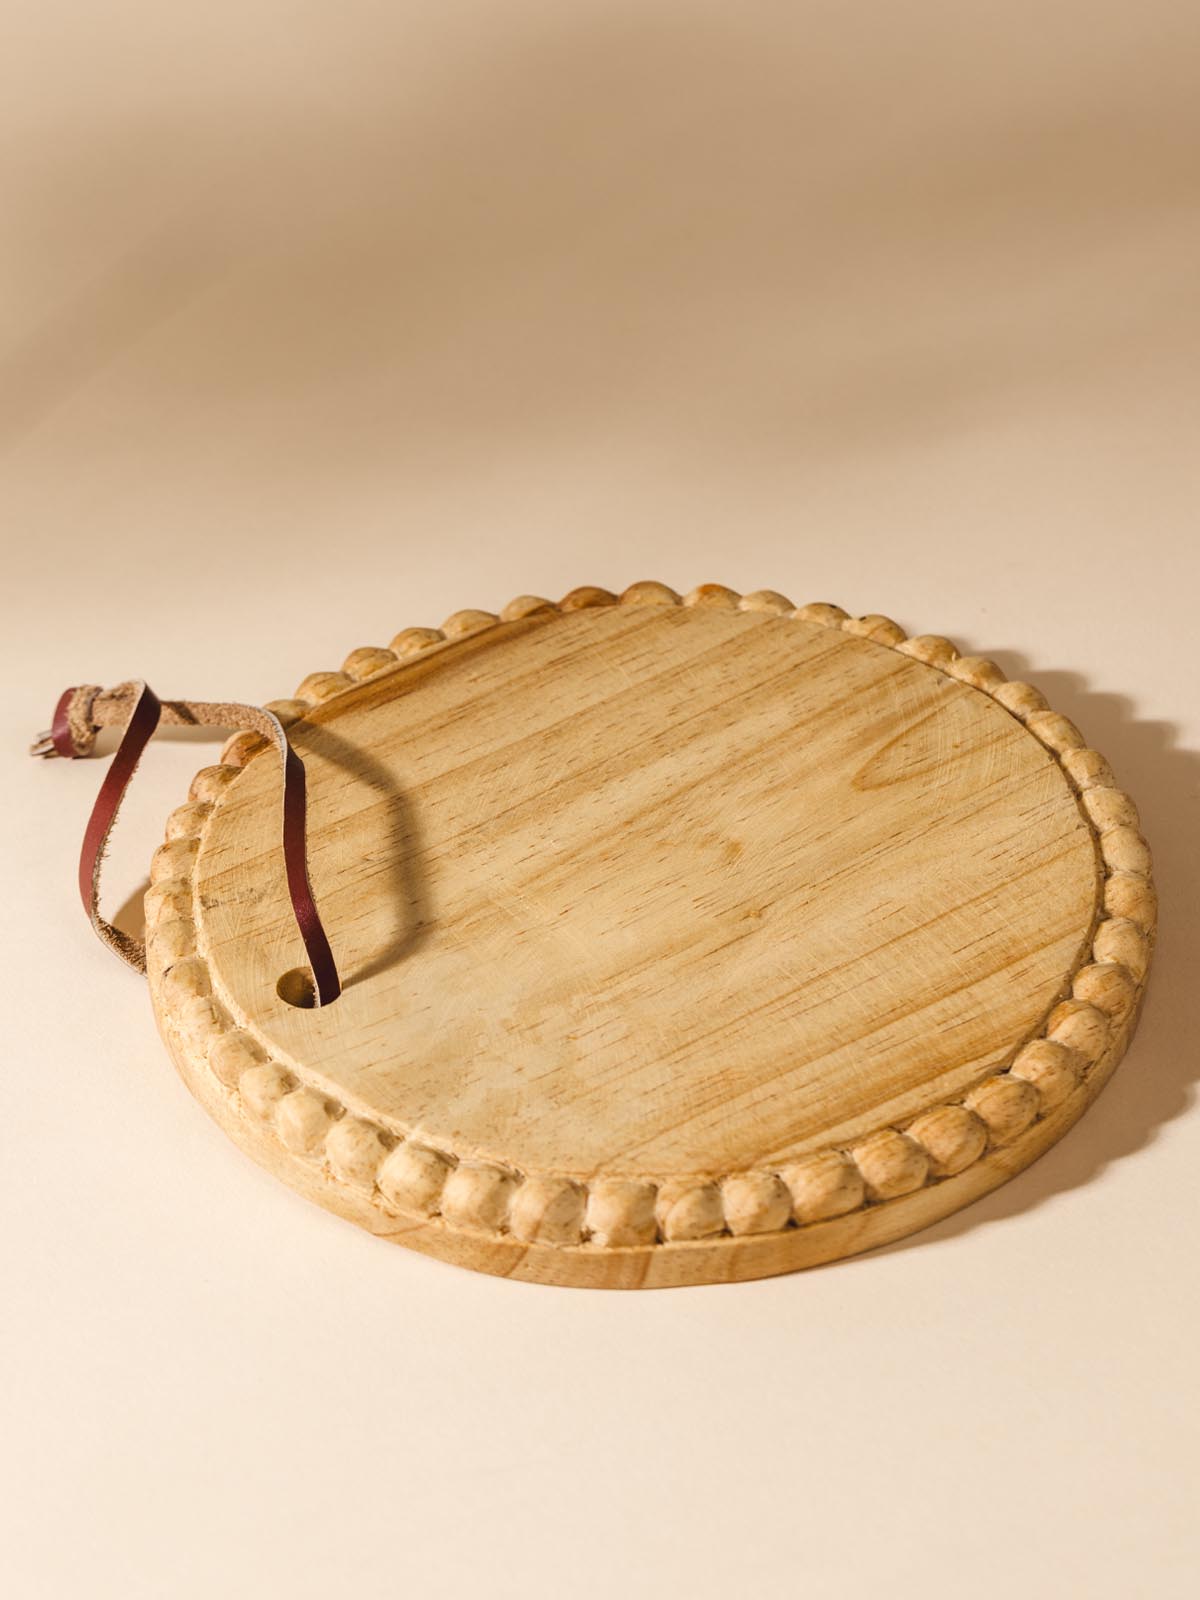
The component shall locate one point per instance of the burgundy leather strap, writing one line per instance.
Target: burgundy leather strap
(60, 728)
(295, 857)
(77, 716)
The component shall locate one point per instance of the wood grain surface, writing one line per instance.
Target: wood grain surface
(713, 925)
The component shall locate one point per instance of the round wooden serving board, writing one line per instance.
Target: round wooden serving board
(682, 941)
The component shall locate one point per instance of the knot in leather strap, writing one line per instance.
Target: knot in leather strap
(79, 715)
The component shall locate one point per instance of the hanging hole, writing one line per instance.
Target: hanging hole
(297, 988)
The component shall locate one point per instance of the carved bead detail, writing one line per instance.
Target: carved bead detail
(690, 1211)
(823, 1186)
(823, 614)
(548, 1211)
(1106, 986)
(649, 594)
(1081, 1027)
(242, 747)
(1050, 1067)
(1006, 1105)
(210, 783)
(412, 641)
(755, 1202)
(930, 648)
(526, 605)
(231, 1054)
(186, 980)
(412, 1178)
(881, 630)
(463, 623)
(286, 712)
(166, 900)
(891, 1164)
(321, 686)
(1119, 940)
(367, 660)
(1124, 850)
(197, 1018)
(477, 1197)
(951, 1136)
(620, 1212)
(1087, 769)
(262, 1086)
(584, 598)
(302, 1119)
(354, 1150)
(1128, 895)
(1022, 699)
(715, 595)
(978, 671)
(174, 939)
(766, 600)
(1110, 808)
(1055, 731)
(186, 821)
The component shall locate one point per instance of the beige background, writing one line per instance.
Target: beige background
(322, 321)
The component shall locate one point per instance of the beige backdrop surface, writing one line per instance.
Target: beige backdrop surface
(319, 322)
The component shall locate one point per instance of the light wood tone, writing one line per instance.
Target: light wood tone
(657, 891)
(681, 941)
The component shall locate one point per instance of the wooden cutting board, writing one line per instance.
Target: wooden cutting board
(683, 941)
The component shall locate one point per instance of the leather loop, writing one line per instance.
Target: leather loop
(72, 733)
(60, 728)
(80, 712)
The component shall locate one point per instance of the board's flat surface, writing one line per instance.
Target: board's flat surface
(657, 891)
(661, 925)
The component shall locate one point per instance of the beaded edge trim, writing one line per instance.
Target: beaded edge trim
(1090, 1025)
